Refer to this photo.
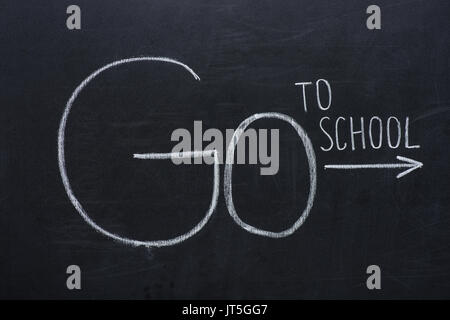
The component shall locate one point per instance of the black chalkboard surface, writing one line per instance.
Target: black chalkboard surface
(359, 173)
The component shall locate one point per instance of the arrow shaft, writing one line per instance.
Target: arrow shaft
(368, 166)
(408, 163)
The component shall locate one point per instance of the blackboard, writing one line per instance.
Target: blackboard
(249, 56)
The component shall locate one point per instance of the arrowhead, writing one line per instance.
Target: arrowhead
(412, 165)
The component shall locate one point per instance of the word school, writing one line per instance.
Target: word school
(361, 133)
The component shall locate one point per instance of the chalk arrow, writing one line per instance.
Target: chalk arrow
(406, 163)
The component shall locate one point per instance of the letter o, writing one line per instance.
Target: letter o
(229, 169)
